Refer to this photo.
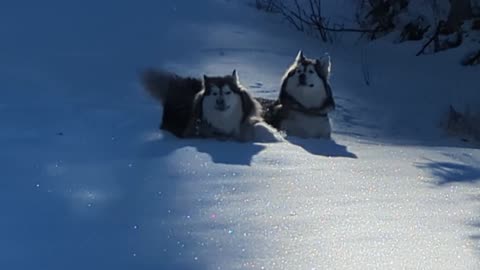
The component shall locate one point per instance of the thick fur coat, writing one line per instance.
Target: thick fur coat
(215, 107)
(304, 101)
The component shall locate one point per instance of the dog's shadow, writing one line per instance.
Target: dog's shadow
(322, 147)
(227, 152)
(220, 152)
(235, 153)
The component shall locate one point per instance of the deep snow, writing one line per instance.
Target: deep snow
(87, 181)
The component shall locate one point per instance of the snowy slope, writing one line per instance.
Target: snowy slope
(88, 182)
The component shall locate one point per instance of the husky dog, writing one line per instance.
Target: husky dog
(305, 99)
(215, 107)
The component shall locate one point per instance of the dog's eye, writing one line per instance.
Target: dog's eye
(311, 72)
(228, 93)
(215, 94)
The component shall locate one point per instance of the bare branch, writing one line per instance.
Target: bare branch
(433, 38)
(311, 18)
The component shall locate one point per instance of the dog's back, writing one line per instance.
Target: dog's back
(176, 94)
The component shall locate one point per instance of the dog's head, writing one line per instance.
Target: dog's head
(223, 94)
(310, 72)
(306, 79)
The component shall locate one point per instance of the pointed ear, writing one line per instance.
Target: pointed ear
(300, 56)
(324, 66)
(204, 81)
(235, 75)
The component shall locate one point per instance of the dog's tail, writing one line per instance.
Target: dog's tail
(169, 87)
(157, 83)
(175, 93)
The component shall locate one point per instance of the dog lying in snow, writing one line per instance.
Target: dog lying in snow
(304, 101)
(215, 107)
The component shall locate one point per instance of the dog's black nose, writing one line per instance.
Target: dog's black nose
(302, 79)
(220, 102)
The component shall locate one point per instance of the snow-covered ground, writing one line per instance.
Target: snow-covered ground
(88, 182)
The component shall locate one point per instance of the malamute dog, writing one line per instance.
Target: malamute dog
(215, 107)
(304, 101)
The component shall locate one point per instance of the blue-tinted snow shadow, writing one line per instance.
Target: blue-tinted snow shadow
(220, 152)
(68, 205)
(475, 236)
(446, 172)
(230, 153)
(322, 147)
(464, 170)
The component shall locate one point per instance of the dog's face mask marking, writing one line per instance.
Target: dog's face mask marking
(306, 76)
(222, 102)
(222, 98)
(306, 80)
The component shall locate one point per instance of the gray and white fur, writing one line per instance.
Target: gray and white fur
(224, 109)
(215, 107)
(305, 99)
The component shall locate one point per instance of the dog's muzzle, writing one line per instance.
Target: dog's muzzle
(302, 79)
(220, 105)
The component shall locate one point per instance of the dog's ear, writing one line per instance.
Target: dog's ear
(300, 57)
(205, 81)
(235, 76)
(324, 66)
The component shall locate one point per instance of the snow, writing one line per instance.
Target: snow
(88, 182)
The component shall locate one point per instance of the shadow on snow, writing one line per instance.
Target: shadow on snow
(323, 147)
(446, 172)
(464, 170)
(220, 152)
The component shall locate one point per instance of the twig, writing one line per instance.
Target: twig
(299, 18)
(434, 37)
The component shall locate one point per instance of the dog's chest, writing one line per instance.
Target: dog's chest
(311, 98)
(307, 96)
(307, 126)
(227, 123)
